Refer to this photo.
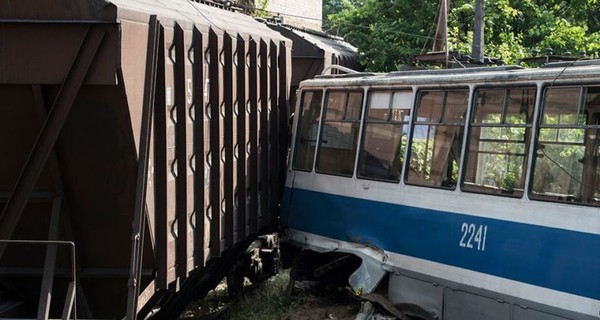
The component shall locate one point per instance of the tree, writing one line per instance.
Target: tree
(388, 33)
(330, 7)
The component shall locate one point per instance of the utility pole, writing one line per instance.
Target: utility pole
(440, 41)
(478, 32)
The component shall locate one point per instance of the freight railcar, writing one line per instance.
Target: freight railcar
(314, 51)
(141, 150)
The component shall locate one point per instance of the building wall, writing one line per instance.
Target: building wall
(298, 13)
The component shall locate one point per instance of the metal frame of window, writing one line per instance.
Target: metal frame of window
(440, 122)
(299, 128)
(528, 125)
(402, 123)
(564, 198)
(324, 109)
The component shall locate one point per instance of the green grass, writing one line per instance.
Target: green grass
(264, 301)
(268, 301)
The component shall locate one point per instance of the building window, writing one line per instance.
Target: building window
(437, 138)
(385, 135)
(496, 159)
(339, 132)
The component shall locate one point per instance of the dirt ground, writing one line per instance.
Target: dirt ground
(270, 301)
(325, 306)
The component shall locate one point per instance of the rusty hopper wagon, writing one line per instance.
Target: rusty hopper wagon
(141, 150)
(314, 52)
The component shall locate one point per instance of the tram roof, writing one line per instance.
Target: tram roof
(583, 70)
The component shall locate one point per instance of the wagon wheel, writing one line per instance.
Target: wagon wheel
(235, 280)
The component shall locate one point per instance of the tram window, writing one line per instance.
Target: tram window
(308, 125)
(566, 166)
(384, 137)
(335, 106)
(496, 158)
(437, 138)
(561, 106)
(339, 132)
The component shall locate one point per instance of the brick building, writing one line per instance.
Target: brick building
(298, 13)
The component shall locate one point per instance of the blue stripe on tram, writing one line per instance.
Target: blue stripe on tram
(552, 258)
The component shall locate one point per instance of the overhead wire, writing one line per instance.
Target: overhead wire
(576, 179)
(276, 13)
(203, 15)
(431, 30)
(390, 31)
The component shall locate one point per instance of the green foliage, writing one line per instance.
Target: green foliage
(260, 10)
(420, 158)
(330, 7)
(268, 302)
(502, 168)
(388, 33)
(559, 165)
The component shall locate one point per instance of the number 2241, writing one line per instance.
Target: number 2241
(473, 237)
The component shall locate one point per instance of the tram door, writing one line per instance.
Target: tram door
(307, 128)
(308, 116)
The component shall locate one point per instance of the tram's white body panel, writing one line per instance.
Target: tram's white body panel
(462, 253)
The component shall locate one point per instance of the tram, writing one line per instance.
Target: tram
(465, 193)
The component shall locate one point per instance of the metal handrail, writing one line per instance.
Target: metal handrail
(338, 67)
(71, 299)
